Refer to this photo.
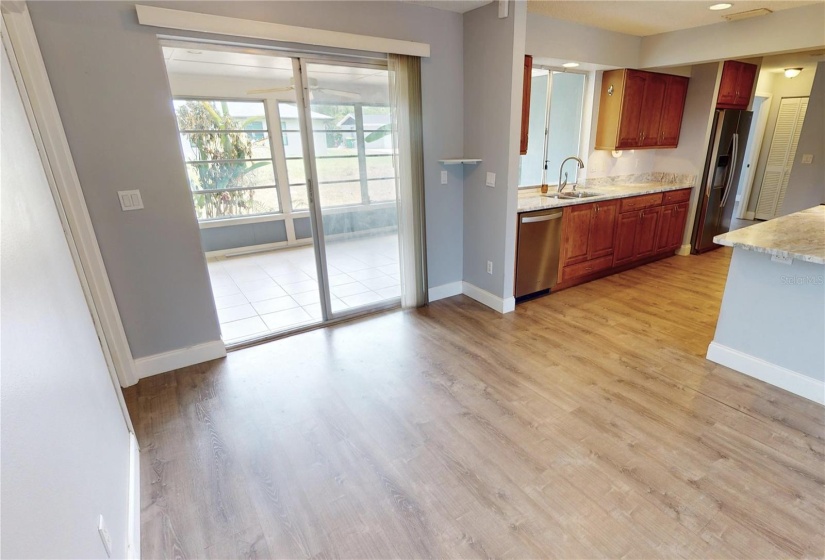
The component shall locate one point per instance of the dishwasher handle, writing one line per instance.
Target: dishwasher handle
(545, 218)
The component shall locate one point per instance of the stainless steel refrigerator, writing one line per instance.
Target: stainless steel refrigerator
(721, 177)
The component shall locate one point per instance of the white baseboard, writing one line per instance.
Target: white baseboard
(684, 250)
(784, 378)
(133, 530)
(444, 291)
(174, 359)
(502, 305)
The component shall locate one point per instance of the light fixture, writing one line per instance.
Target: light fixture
(570, 64)
(723, 6)
(792, 72)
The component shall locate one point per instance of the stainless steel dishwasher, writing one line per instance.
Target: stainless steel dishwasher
(537, 256)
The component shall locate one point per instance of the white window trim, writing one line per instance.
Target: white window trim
(222, 25)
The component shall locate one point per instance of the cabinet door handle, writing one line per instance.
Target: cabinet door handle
(597, 209)
(588, 268)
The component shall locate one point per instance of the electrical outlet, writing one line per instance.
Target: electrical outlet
(105, 536)
(807, 158)
(489, 267)
(443, 177)
(491, 179)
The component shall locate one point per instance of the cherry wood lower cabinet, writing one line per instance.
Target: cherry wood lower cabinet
(671, 227)
(600, 238)
(588, 231)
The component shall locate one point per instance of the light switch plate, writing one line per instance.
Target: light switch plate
(807, 158)
(130, 200)
(105, 536)
(491, 179)
(443, 177)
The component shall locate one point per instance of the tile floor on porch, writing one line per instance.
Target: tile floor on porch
(270, 292)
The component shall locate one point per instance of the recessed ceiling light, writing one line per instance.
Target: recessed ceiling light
(792, 72)
(722, 6)
(570, 64)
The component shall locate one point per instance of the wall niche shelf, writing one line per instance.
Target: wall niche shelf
(459, 161)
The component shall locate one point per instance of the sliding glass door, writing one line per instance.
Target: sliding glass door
(355, 188)
(291, 170)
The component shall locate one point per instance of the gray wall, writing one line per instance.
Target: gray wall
(768, 315)
(548, 37)
(806, 186)
(493, 68)
(110, 83)
(65, 443)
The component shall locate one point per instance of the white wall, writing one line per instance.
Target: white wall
(493, 72)
(65, 442)
(806, 186)
(106, 69)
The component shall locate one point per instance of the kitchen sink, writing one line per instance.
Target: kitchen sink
(579, 194)
(572, 195)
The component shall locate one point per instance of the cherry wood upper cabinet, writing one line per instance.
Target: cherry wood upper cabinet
(736, 86)
(672, 110)
(633, 96)
(639, 109)
(525, 102)
(654, 100)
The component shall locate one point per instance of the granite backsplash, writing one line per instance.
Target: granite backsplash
(639, 178)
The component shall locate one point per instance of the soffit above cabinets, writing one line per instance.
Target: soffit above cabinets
(643, 18)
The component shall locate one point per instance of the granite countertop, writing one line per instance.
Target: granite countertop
(800, 236)
(532, 199)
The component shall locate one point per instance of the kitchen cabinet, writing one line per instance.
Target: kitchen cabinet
(651, 117)
(588, 232)
(600, 238)
(736, 85)
(636, 235)
(671, 227)
(525, 103)
(639, 109)
(673, 108)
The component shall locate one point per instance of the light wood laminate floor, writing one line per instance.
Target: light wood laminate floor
(587, 424)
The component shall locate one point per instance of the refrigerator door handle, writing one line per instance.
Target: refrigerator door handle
(732, 170)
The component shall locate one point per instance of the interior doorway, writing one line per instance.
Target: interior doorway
(291, 168)
(761, 108)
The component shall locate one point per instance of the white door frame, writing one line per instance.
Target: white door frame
(759, 135)
(30, 73)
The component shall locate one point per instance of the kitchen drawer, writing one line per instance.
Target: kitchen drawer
(640, 202)
(675, 197)
(587, 267)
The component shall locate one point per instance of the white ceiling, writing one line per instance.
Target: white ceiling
(642, 18)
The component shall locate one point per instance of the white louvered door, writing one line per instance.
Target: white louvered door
(781, 156)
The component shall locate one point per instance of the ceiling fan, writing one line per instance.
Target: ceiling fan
(313, 87)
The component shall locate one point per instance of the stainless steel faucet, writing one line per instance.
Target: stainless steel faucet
(562, 185)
